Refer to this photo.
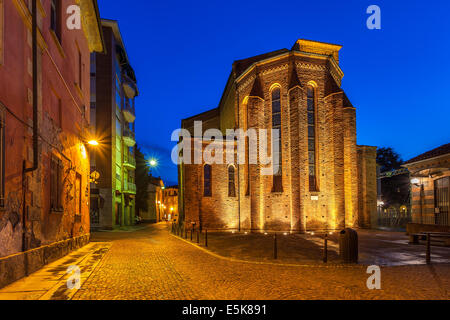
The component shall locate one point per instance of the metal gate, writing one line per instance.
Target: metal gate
(441, 199)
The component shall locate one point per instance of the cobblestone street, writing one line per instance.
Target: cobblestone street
(152, 264)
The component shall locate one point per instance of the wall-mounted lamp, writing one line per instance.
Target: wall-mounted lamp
(93, 143)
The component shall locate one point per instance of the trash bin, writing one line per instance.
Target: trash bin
(348, 245)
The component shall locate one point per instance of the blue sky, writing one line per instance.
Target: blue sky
(396, 77)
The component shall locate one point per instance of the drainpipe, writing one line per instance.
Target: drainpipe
(35, 92)
(35, 119)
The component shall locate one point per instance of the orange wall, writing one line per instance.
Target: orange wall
(63, 121)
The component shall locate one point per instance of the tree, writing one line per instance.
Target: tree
(142, 181)
(388, 159)
(394, 190)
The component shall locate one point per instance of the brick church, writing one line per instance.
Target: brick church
(325, 180)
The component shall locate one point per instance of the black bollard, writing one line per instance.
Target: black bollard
(325, 249)
(191, 235)
(206, 238)
(428, 249)
(275, 247)
(198, 237)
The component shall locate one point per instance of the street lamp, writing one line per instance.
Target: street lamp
(153, 163)
(93, 143)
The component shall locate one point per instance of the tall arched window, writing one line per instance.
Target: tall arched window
(312, 159)
(231, 182)
(207, 176)
(247, 146)
(276, 125)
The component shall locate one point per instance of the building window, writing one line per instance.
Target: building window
(207, 172)
(77, 197)
(55, 18)
(312, 158)
(2, 157)
(56, 183)
(231, 182)
(247, 147)
(276, 125)
(442, 201)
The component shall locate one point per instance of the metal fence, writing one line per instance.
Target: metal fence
(393, 219)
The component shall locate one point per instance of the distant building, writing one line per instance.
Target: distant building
(44, 175)
(170, 200)
(113, 96)
(430, 183)
(326, 181)
(154, 214)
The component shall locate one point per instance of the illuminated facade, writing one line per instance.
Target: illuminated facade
(170, 201)
(114, 89)
(326, 181)
(430, 187)
(44, 193)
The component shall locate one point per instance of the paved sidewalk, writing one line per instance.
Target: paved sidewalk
(50, 283)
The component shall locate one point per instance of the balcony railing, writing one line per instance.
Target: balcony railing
(129, 137)
(129, 161)
(129, 86)
(129, 112)
(129, 187)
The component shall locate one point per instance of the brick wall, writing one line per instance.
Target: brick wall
(346, 194)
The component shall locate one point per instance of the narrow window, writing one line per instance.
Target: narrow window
(231, 182)
(56, 181)
(312, 161)
(78, 194)
(442, 201)
(2, 158)
(207, 171)
(276, 125)
(247, 149)
(55, 18)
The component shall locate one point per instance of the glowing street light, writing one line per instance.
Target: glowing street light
(153, 163)
(93, 143)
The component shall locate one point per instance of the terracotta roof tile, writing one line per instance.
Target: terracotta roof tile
(445, 149)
